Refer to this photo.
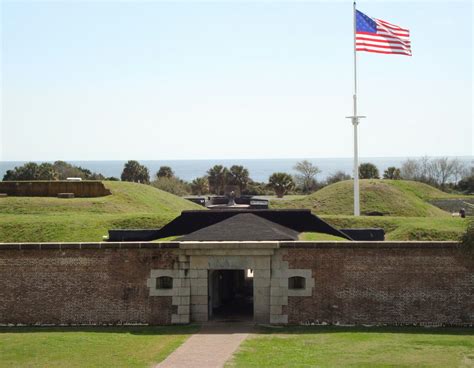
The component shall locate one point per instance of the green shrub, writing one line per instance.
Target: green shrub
(172, 185)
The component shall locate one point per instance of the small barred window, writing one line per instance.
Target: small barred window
(164, 282)
(296, 283)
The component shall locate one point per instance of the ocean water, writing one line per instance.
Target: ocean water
(259, 169)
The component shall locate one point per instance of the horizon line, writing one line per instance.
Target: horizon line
(244, 159)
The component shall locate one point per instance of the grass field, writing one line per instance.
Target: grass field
(131, 205)
(357, 347)
(270, 347)
(89, 347)
(409, 214)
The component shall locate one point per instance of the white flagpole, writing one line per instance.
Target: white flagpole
(355, 122)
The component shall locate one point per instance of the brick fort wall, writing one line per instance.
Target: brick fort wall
(349, 283)
(81, 286)
(411, 283)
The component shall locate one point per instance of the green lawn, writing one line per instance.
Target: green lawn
(357, 347)
(131, 205)
(89, 347)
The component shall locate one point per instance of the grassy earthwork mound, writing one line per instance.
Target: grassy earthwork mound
(389, 197)
(405, 205)
(408, 215)
(131, 205)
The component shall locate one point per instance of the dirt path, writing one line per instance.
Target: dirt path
(211, 347)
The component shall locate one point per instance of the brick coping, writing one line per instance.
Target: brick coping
(370, 244)
(231, 244)
(88, 245)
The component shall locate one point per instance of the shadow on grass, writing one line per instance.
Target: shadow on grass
(133, 330)
(238, 327)
(361, 329)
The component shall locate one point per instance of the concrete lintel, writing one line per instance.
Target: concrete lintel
(229, 252)
(239, 245)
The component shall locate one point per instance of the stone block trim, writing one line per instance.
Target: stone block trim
(279, 291)
(307, 274)
(208, 256)
(180, 292)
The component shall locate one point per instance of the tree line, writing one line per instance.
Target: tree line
(58, 170)
(444, 173)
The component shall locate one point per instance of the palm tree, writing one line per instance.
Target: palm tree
(238, 175)
(165, 172)
(135, 172)
(281, 183)
(217, 179)
(199, 186)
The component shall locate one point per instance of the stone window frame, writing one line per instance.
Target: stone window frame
(164, 282)
(296, 283)
(152, 282)
(309, 282)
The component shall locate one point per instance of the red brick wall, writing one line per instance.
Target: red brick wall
(356, 284)
(394, 285)
(81, 286)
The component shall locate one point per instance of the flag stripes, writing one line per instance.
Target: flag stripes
(379, 36)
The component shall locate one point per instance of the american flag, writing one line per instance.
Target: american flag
(376, 35)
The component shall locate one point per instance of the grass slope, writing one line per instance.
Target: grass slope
(391, 197)
(131, 205)
(406, 228)
(405, 204)
(357, 347)
(319, 237)
(89, 347)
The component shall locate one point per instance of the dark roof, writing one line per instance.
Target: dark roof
(297, 220)
(242, 227)
(190, 221)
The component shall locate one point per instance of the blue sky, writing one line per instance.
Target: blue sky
(202, 80)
